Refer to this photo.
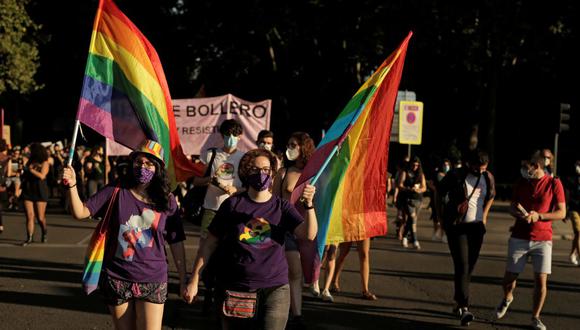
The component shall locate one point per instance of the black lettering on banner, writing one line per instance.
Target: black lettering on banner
(190, 109)
(259, 111)
(203, 110)
(176, 111)
(244, 109)
(224, 108)
(193, 130)
(214, 107)
(233, 106)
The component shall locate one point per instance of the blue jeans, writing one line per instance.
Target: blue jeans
(272, 311)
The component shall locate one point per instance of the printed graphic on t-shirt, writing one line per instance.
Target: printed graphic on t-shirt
(225, 171)
(257, 232)
(137, 233)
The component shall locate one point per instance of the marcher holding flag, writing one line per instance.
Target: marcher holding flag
(352, 182)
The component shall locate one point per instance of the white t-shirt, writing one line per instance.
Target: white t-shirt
(475, 210)
(225, 169)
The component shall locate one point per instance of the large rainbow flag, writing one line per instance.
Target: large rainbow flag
(125, 96)
(351, 189)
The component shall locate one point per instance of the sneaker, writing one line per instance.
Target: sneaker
(444, 238)
(405, 242)
(502, 308)
(44, 237)
(435, 238)
(466, 316)
(574, 259)
(417, 245)
(28, 241)
(537, 324)
(315, 290)
(457, 311)
(326, 296)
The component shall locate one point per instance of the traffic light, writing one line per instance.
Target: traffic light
(564, 117)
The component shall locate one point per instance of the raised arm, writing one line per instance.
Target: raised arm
(78, 209)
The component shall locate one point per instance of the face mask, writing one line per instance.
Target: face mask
(577, 169)
(292, 154)
(143, 175)
(524, 173)
(264, 146)
(259, 181)
(231, 141)
(446, 168)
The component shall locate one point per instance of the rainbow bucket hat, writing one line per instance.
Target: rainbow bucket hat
(152, 148)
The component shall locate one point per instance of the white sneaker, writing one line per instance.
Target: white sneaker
(417, 245)
(537, 324)
(326, 296)
(315, 290)
(574, 259)
(502, 308)
(405, 242)
(444, 238)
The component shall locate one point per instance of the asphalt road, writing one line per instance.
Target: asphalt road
(40, 284)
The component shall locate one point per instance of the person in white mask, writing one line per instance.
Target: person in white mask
(265, 140)
(298, 150)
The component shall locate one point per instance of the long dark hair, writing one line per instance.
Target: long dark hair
(38, 154)
(158, 189)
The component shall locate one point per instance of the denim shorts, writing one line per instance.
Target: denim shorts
(118, 292)
(519, 250)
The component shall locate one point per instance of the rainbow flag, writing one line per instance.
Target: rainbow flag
(351, 190)
(125, 96)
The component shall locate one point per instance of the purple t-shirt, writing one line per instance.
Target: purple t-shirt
(136, 238)
(250, 253)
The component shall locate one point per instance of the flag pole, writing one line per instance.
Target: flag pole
(71, 152)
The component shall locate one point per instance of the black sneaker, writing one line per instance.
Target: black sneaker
(466, 317)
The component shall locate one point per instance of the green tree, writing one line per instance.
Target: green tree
(19, 58)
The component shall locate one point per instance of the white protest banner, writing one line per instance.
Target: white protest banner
(198, 120)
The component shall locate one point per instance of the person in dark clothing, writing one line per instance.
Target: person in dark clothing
(475, 186)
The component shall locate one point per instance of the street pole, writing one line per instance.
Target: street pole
(409, 151)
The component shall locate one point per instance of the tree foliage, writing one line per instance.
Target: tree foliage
(19, 56)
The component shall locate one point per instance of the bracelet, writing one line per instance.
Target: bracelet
(306, 207)
(74, 185)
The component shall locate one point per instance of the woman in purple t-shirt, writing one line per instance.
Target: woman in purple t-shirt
(143, 218)
(247, 236)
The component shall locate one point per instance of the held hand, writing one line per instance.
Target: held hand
(69, 176)
(533, 216)
(230, 190)
(308, 194)
(190, 293)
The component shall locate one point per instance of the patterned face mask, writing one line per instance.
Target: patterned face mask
(143, 175)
